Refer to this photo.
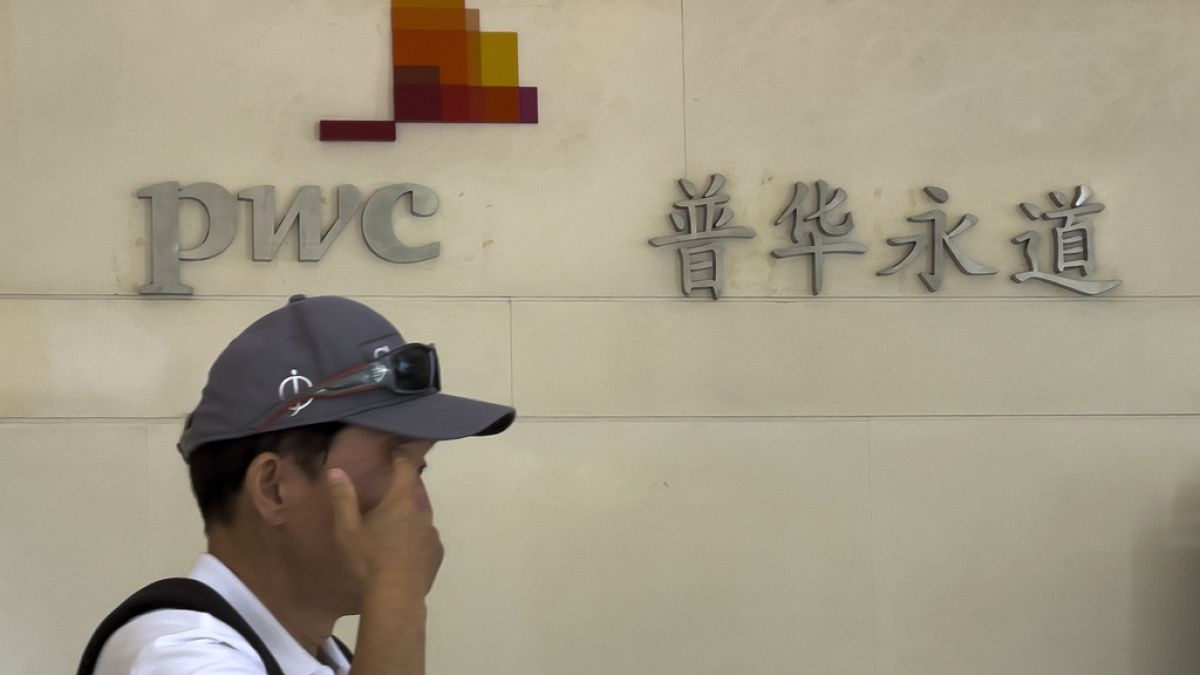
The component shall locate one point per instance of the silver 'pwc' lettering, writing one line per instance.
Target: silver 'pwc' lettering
(305, 210)
(165, 253)
(377, 223)
(268, 235)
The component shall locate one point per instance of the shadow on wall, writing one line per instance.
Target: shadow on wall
(1166, 591)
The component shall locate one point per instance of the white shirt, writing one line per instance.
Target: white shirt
(181, 642)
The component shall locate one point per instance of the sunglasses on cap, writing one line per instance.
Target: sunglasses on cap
(411, 370)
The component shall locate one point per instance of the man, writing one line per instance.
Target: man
(305, 455)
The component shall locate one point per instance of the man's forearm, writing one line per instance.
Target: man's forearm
(391, 633)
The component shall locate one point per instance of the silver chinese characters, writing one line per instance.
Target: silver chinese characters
(701, 221)
(705, 218)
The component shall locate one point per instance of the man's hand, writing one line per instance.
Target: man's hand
(396, 552)
(395, 545)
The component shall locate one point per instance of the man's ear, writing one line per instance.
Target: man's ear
(264, 488)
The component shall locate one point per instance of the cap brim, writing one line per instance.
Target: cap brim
(437, 417)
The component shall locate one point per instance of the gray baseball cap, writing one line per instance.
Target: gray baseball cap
(252, 385)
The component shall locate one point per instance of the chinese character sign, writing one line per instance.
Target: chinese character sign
(701, 221)
(937, 242)
(704, 218)
(823, 235)
(1074, 243)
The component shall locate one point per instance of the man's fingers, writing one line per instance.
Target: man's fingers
(345, 501)
(406, 482)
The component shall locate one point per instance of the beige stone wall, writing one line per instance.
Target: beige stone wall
(998, 478)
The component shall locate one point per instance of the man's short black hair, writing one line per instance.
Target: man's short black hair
(218, 469)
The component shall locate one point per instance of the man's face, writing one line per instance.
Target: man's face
(366, 455)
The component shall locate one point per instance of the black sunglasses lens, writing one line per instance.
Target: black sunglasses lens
(414, 369)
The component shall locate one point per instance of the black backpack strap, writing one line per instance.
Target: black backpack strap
(178, 593)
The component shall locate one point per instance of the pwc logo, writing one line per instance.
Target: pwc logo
(444, 69)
